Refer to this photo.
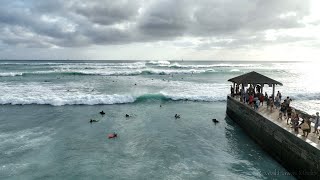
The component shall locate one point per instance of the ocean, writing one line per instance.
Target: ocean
(46, 106)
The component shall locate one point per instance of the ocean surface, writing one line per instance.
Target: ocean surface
(45, 108)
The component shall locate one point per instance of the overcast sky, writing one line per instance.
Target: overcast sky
(160, 29)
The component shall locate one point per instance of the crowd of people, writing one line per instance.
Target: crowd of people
(255, 98)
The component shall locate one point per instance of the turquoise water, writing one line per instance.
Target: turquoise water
(45, 142)
(46, 106)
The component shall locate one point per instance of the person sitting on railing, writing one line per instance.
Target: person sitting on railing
(306, 127)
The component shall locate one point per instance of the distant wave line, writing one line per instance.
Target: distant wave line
(110, 73)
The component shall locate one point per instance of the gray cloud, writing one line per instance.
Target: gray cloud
(107, 12)
(77, 23)
(165, 19)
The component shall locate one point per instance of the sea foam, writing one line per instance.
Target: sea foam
(11, 74)
(78, 94)
(158, 63)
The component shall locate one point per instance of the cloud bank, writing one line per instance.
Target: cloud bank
(200, 25)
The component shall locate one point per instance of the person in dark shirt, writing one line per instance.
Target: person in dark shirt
(232, 91)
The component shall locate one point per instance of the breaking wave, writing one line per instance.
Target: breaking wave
(193, 66)
(10, 74)
(306, 96)
(117, 73)
(87, 99)
(158, 63)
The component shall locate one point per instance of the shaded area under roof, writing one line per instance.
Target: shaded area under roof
(253, 78)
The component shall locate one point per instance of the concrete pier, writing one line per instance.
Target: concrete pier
(298, 154)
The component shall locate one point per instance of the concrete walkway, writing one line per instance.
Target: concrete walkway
(273, 116)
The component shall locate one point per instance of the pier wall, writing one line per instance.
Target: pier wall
(300, 158)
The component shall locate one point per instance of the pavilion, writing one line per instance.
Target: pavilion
(253, 78)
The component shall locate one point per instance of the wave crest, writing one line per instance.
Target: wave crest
(158, 63)
(11, 74)
(87, 99)
(194, 66)
(121, 72)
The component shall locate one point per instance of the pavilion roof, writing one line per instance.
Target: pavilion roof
(253, 78)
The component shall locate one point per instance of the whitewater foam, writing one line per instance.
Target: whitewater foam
(122, 72)
(158, 63)
(188, 66)
(59, 100)
(58, 95)
(10, 74)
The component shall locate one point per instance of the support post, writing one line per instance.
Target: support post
(273, 90)
(243, 93)
(232, 93)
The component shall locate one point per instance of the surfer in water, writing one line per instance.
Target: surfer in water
(113, 135)
(215, 121)
(102, 113)
(93, 120)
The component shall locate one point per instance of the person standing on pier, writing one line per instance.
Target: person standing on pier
(289, 111)
(247, 97)
(271, 103)
(279, 94)
(237, 89)
(288, 100)
(281, 111)
(295, 122)
(251, 100)
(257, 104)
(232, 91)
(266, 97)
(251, 90)
(258, 88)
(277, 102)
(261, 98)
(242, 96)
(316, 123)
